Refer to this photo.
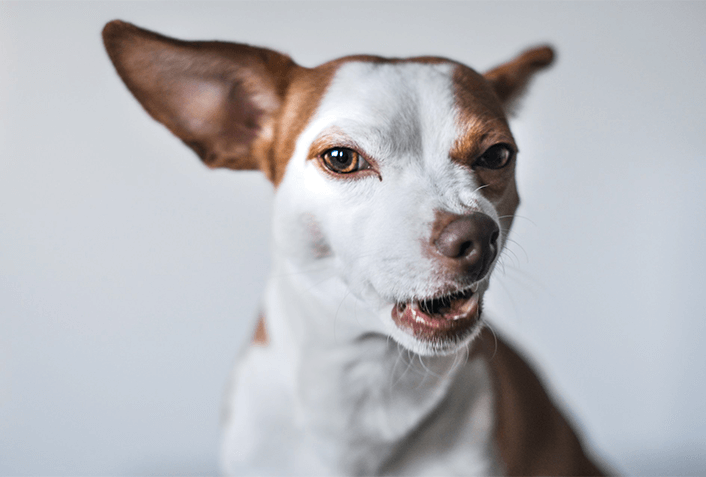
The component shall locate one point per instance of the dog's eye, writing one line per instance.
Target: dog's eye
(495, 157)
(343, 160)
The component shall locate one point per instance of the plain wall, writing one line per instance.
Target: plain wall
(130, 274)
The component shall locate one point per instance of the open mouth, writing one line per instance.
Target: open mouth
(447, 317)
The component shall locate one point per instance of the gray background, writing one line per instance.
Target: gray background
(129, 273)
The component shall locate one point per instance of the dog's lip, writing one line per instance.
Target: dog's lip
(443, 315)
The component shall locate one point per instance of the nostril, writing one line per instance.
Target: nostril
(471, 238)
(465, 248)
(494, 237)
(469, 243)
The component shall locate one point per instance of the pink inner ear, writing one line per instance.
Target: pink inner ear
(199, 104)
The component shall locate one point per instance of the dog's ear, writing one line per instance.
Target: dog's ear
(510, 79)
(220, 98)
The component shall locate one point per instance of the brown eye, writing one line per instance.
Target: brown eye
(343, 160)
(495, 157)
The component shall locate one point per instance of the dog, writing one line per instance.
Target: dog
(395, 193)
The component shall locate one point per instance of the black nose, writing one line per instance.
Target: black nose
(472, 242)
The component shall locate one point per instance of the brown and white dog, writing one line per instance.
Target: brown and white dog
(395, 192)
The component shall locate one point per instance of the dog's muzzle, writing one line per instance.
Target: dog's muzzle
(463, 249)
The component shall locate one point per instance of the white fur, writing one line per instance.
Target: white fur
(332, 394)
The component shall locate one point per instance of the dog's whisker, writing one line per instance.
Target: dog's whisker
(394, 366)
(495, 339)
(501, 263)
(506, 252)
(527, 281)
(518, 217)
(517, 244)
(335, 316)
(424, 372)
(355, 314)
(408, 362)
(479, 188)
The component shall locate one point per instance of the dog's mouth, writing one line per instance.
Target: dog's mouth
(449, 317)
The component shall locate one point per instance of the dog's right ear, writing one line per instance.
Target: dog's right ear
(220, 98)
(510, 79)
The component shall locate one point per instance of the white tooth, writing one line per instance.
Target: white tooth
(417, 318)
(467, 308)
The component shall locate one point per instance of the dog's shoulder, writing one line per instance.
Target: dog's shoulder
(533, 436)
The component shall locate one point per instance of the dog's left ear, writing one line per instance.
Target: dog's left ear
(510, 79)
(220, 98)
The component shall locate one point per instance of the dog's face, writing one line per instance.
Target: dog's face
(399, 173)
(400, 178)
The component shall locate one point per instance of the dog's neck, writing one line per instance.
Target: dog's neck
(360, 394)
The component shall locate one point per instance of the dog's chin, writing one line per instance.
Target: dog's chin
(440, 325)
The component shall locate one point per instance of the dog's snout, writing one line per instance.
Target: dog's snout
(471, 242)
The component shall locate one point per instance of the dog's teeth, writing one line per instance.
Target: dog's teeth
(416, 317)
(470, 307)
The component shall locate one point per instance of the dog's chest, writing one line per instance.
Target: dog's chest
(359, 412)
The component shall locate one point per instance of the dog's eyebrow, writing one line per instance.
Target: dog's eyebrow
(478, 136)
(330, 138)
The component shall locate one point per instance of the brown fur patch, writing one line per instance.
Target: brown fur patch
(302, 99)
(532, 435)
(480, 116)
(510, 79)
(261, 338)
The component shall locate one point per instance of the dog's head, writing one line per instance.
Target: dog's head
(400, 173)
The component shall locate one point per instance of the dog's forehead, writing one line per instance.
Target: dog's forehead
(400, 84)
(372, 82)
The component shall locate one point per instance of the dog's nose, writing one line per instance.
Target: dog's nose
(472, 242)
